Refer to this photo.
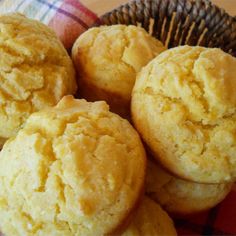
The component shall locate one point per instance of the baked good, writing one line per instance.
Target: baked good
(107, 59)
(75, 169)
(184, 106)
(150, 219)
(179, 196)
(35, 71)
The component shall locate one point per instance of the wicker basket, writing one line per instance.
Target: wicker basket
(179, 22)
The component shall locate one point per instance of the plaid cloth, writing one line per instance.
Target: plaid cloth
(69, 18)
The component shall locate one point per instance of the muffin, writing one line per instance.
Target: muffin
(107, 59)
(184, 106)
(179, 196)
(151, 220)
(75, 169)
(35, 71)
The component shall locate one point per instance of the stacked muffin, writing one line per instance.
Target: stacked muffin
(184, 107)
(36, 71)
(72, 167)
(182, 197)
(108, 58)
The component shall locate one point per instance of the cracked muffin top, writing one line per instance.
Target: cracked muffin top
(107, 59)
(184, 106)
(74, 169)
(35, 71)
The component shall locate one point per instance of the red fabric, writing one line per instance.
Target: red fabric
(70, 20)
(220, 220)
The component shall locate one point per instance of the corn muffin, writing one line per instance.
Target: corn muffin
(179, 196)
(150, 220)
(35, 71)
(107, 59)
(184, 106)
(75, 169)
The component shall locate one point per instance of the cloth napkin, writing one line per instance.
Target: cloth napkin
(69, 18)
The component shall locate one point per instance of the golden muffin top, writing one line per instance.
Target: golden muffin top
(35, 71)
(184, 105)
(150, 219)
(74, 169)
(110, 56)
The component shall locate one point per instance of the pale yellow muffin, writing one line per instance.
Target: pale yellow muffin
(75, 169)
(107, 59)
(35, 71)
(150, 220)
(184, 106)
(180, 196)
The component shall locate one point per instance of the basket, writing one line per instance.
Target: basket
(179, 22)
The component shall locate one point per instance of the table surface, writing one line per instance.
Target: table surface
(106, 5)
(228, 5)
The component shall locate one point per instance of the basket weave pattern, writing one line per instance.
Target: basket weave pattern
(179, 22)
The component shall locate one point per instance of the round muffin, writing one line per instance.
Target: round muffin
(107, 59)
(75, 169)
(184, 106)
(151, 220)
(179, 196)
(35, 71)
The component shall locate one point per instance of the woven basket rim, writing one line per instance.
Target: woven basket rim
(216, 27)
